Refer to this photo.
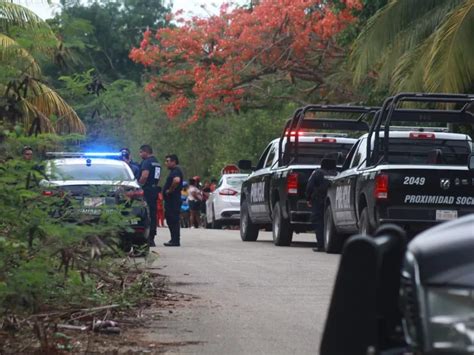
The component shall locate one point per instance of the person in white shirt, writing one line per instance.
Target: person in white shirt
(195, 199)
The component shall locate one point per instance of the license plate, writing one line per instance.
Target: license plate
(90, 211)
(94, 201)
(446, 215)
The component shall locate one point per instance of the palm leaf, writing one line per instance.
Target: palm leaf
(11, 54)
(48, 102)
(399, 26)
(31, 113)
(451, 66)
(12, 14)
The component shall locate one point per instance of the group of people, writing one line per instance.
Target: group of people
(194, 196)
(148, 174)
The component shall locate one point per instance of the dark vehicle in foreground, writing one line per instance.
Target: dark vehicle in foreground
(90, 186)
(404, 299)
(412, 176)
(274, 194)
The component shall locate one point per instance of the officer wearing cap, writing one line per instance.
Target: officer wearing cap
(125, 155)
(150, 171)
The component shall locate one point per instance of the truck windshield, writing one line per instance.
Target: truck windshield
(313, 153)
(427, 151)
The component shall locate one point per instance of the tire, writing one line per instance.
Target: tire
(364, 223)
(332, 240)
(282, 231)
(248, 230)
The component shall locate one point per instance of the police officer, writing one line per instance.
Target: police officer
(150, 171)
(125, 155)
(316, 191)
(172, 196)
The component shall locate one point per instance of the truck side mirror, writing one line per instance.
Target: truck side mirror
(245, 165)
(470, 161)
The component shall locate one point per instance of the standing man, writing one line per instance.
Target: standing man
(316, 191)
(150, 171)
(172, 196)
(128, 159)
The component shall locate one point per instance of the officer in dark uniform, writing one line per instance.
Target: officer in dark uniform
(316, 191)
(172, 196)
(125, 155)
(150, 171)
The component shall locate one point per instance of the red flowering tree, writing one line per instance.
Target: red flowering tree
(206, 65)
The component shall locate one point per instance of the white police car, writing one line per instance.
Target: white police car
(97, 183)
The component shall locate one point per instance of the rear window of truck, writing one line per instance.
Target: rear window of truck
(313, 153)
(427, 151)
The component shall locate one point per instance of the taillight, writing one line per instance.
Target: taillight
(294, 133)
(292, 184)
(381, 187)
(325, 140)
(422, 135)
(48, 193)
(228, 192)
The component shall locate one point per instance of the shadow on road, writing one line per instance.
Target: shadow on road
(293, 244)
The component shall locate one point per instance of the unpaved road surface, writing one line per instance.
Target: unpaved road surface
(251, 298)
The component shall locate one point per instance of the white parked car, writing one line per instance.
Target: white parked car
(223, 205)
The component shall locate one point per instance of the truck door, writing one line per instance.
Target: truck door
(346, 185)
(258, 181)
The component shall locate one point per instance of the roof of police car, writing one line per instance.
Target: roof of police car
(438, 135)
(83, 161)
(312, 138)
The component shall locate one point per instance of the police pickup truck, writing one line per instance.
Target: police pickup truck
(274, 194)
(412, 176)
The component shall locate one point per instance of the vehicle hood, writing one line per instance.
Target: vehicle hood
(444, 254)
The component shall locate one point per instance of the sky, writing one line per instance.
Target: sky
(191, 7)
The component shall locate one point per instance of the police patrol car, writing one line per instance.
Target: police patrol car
(98, 182)
(412, 176)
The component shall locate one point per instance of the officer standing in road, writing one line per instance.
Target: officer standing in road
(316, 191)
(172, 196)
(150, 171)
(126, 157)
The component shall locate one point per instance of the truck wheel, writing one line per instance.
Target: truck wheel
(248, 230)
(364, 224)
(282, 232)
(332, 240)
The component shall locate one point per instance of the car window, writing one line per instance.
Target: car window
(262, 159)
(93, 172)
(219, 184)
(236, 181)
(427, 151)
(359, 156)
(271, 157)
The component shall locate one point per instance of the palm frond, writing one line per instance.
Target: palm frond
(451, 66)
(408, 73)
(11, 54)
(12, 14)
(48, 102)
(32, 116)
(402, 23)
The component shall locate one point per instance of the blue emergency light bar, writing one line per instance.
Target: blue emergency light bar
(105, 155)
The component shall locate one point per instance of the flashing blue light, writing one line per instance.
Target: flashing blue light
(102, 154)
